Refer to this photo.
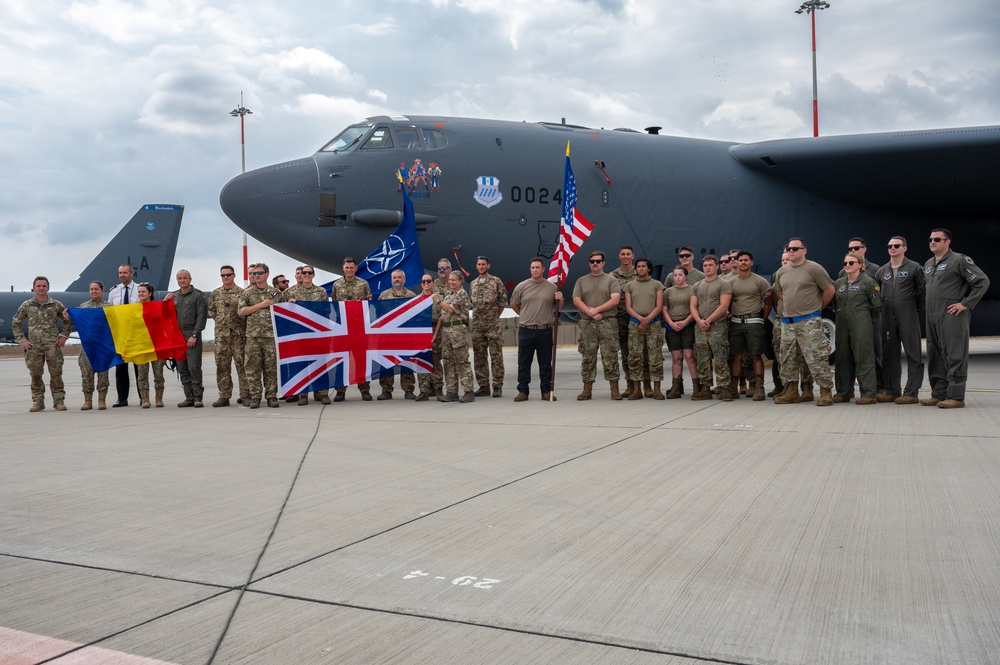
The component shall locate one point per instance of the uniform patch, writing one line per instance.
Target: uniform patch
(887, 276)
(972, 276)
(902, 273)
(968, 260)
(942, 266)
(843, 288)
(487, 191)
(856, 287)
(928, 270)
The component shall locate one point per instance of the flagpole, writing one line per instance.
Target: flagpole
(555, 347)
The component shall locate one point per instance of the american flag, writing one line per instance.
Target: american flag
(323, 345)
(574, 229)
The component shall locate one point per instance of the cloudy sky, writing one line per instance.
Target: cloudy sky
(109, 104)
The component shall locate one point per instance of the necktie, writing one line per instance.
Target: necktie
(125, 301)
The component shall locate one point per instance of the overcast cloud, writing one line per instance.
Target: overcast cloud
(109, 104)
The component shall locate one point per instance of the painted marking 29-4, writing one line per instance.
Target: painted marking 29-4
(465, 580)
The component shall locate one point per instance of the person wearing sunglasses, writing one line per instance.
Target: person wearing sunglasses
(858, 301)
(955, 284)
(858, 248)
(902, 284)
(307, 291)
(685, 257)
(596, 297)
(260, 359)
(455, 340)
(230, 337)
(805, 288)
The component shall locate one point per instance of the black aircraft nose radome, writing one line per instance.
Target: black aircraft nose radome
(275, 196)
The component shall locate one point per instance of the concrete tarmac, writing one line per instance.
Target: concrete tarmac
(668, 532)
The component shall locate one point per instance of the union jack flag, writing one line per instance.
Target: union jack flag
(574, 229)
(323, 345)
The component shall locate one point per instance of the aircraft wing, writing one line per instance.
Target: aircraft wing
(947, 172)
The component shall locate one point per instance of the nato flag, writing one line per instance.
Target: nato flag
(400, 251)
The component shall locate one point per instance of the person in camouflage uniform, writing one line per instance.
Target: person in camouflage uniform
(644, 303)
(625, 274)
(86, 369)
(805, 289)
(596, 297)
(43, 344)
(230, 337)
(308, 292)
(426, 381)
(352, 287)
(441, 288)
(489, 298)
(406, 377)
(455, 340)
(261, 357)
(147, 294)
(710, 300)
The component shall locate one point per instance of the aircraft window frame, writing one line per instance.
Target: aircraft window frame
(433, 138)
(408, 137)
(347, 139)
(380, 139)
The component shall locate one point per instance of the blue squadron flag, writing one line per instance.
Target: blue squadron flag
(400, 251)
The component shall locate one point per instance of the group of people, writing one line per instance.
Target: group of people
(712, 319)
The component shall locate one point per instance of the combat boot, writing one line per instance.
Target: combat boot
(88, 402)
(743, 385)
(701, 392)
(676, 389)
(647, 389)
(469, 396)
(36, 407)
(825, 397)
(61, 406)
(366, 395)
(144, 399)
(778, 387)
(303, 400)
(807, 391)
(657, 393)
(629, 389)
(159, 398)
(729, 392)
(588, 391)
(102, 400)
(615, 395)
(758, 388)
(635, 394)
(484, 391)
(790, 395)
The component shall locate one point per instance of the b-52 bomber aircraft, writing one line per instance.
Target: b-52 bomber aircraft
(494, 188)
(147, 242)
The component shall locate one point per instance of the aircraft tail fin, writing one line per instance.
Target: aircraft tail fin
(148, 243)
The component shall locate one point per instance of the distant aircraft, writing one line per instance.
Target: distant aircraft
(148, 243)
(488, 187)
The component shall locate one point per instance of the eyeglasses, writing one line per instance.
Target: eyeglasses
(427, 281)
(595, 262)
(795, 249)
(483, 258)
(850, 263)
(443, 268)
(308, 272)
(723, 260)
(894, 245)
(226, 274)
(936, 239)
(856, 248)
(685, 256)
(258, 273)
(282, 281)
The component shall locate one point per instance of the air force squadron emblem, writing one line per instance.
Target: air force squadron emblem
(387, 257)
(487, 191)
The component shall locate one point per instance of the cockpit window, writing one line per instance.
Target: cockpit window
(347, 139)
(408, 138)
(433, 138)
(379, 140)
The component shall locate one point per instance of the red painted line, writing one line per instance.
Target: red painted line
(20, 648)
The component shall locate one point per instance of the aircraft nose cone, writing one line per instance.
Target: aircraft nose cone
(273, 196)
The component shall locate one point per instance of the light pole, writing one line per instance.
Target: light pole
(811, 7)
(241, 113)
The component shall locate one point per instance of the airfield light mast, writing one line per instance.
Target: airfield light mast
(811, 7)
(241, 113)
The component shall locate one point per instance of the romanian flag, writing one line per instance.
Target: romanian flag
(137, 333)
